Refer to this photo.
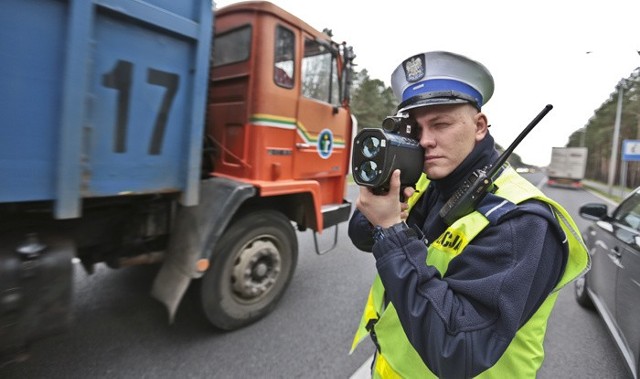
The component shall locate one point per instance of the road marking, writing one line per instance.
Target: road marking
(364, 372)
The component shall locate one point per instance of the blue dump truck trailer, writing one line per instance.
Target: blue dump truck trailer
(157, 132)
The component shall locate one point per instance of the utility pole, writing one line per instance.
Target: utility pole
(616, 135)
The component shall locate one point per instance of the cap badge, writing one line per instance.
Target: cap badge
(414, 68)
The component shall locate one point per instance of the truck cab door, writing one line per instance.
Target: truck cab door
(322, 124)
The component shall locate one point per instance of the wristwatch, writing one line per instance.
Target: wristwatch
(380, 233)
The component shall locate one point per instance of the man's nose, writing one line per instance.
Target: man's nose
(426, 139)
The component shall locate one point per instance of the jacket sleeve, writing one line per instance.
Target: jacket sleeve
(361, 231)
(461, 324)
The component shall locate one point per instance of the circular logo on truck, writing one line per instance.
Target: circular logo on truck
(325, 143)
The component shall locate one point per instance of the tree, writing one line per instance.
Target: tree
(598, 132)
(371, 101)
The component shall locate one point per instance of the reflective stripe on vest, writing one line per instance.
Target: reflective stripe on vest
(397, 358)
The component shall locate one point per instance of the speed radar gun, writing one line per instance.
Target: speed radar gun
(378, 152)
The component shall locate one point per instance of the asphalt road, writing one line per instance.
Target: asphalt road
(121, 332)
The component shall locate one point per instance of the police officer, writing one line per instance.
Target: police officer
(470, 299)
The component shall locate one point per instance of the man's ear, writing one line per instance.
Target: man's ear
(482, 125)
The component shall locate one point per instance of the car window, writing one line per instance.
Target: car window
(628, 213)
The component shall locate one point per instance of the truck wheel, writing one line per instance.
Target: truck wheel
(251, 267)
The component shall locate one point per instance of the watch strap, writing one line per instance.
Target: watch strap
(380, 233)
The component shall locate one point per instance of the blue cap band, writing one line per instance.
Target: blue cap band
(440, 85)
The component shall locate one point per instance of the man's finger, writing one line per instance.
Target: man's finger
(394, 185)
(408, 192)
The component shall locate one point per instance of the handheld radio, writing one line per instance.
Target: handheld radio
(480, 182)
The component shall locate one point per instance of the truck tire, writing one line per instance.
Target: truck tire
(251, 267)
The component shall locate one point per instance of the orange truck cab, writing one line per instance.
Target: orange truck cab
(278, 110)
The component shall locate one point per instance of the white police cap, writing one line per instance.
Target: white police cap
(441, 77)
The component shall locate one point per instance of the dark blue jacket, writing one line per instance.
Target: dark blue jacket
(462, 323)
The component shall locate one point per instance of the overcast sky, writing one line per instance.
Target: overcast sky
(537, 52)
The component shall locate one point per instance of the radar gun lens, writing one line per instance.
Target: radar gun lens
(371, 146)
(368, 171)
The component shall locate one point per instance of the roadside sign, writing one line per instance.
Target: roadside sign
(631, 150)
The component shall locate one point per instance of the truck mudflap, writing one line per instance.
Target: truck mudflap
(332, 215)
(194, 235)
(36, 277)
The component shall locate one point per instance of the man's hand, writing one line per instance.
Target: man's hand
(384, 210)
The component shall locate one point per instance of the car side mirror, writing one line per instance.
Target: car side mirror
(593, 211)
